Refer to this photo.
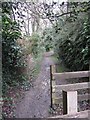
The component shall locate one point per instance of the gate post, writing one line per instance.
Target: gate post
(52, 82)
(70, 102)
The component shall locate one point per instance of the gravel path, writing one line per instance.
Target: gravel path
(36, 102)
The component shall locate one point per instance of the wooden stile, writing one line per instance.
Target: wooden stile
(70, 96)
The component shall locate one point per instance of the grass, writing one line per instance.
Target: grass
(37, 66)
(54, 58)
(59, 64)
(61, 68)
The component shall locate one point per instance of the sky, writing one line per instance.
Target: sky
(50, 1)
(48, 23)
(60, 1)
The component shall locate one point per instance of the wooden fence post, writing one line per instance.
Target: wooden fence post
(89, 73)
(52, 82)
(69, 102)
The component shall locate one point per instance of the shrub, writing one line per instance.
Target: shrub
(12, 63)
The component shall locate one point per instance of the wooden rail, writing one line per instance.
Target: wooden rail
(80, 98)
(71, 87)
(70, 96)
(68, 75)
(83, 114)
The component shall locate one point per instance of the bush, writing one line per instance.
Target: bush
(12, 63)
(71, 39)
(48, 39)
(34, 43)
(75, 52)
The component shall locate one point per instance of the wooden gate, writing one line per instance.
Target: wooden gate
(69, 91)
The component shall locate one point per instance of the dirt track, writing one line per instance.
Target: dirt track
(36, 102)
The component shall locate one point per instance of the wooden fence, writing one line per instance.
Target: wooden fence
(70, 96)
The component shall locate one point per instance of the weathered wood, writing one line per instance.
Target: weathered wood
(83, 114)
(67, 75)
(70, 90)
(58, 100)
(70, 102)
(53, 69)
(64, 103)
(52, 83)
(71, 87)
(53, 98)
(79, 97)
(83, 97)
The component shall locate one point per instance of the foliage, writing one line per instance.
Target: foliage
(73, 46)
(71, 37)
(13, 65)
(75, 52)
(34, 41)
(48, 39)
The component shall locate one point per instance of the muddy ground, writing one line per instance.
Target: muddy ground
(36, 102)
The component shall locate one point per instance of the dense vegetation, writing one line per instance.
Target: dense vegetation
(73, 44)
(48, 39)
(71, 37)
(11, 50)
(15, 50)
(68, 35)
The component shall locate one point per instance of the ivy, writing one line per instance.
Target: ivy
(71, 37)
(12, 63)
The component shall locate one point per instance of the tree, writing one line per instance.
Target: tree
(71, 34)
(72, 40)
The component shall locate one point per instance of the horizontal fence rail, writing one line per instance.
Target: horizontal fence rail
(71, 87)
(80, 98)
(70, 95)
(68, 75)
(83, 114)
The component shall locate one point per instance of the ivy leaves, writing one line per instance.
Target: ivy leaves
(72, 38)
(75, 52)
(11, 50)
